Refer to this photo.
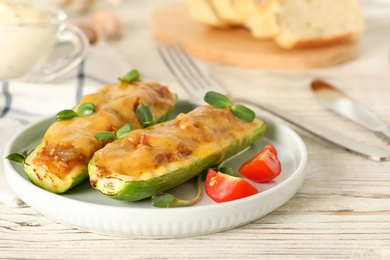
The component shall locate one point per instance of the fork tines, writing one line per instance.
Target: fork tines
(185, 70)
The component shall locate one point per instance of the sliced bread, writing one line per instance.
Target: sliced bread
(301, 23)
(290, 23)
(202, 11)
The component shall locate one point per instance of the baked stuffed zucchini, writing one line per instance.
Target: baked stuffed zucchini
(163, 156)
(60, 160)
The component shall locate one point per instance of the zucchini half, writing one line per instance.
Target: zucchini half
(60, 160)
(164, 156)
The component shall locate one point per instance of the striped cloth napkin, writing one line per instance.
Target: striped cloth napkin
(24, 103)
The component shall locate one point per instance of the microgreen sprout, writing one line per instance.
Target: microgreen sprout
(221, 168)
(85, 109)
(130, 76)
(243, 113)
(217, 100)
(65, 114)
(166, 200)
(224, 169)
(144, 115)
(221, 101)
(107, 135)
(17, 157)
(124, 130)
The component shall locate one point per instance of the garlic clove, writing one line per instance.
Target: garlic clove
(89, 31)
(107, 24)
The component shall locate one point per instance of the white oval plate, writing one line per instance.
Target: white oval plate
(87, 209)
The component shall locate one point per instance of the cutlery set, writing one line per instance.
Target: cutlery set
(196, 83)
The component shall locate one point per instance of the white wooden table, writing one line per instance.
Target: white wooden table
(342, 209)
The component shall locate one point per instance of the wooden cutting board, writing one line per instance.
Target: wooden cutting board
(172, 23)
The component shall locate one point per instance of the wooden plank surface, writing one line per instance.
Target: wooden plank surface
(342, 209)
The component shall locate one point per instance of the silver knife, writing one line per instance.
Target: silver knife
(337, 101)
(361, 149)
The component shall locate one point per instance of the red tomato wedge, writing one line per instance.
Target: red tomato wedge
(271, 148)
(263, 167)
(221, 187)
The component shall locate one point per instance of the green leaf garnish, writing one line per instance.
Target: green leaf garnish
(105, 135)
(144, 115)
(86, 109)
(226, 170)
(243, 113)
(130, 76)
(124, 130)
(166, 200)
(65, 114)
(16, 157)
(217, 100)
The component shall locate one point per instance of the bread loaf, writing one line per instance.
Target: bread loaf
(290, 23)
(222, 13)
(203, 12)
(301, 23)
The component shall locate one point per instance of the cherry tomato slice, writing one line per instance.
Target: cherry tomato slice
(263, 167)
(271, 148)
(221, 187)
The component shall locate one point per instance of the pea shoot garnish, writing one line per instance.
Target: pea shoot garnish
(217, 100)
(124, 130)
(85, 109)
(17, 157)
(243, 113)
(130, 76)
(107, 135)
(166, 200)
(65, 114)
(144, 115)
(221, 101)
(224, 169)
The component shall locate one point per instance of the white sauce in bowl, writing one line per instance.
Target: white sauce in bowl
(27, 35)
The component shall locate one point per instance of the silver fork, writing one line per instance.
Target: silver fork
(187, 73)
(197, 84)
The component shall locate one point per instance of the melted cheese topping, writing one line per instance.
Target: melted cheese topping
(155, 151)
(70, 144)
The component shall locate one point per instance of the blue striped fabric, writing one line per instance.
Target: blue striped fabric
(24, 103)
(15, 96)
(7, 99)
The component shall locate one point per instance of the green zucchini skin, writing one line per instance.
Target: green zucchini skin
(48, 180)
(133, 190)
